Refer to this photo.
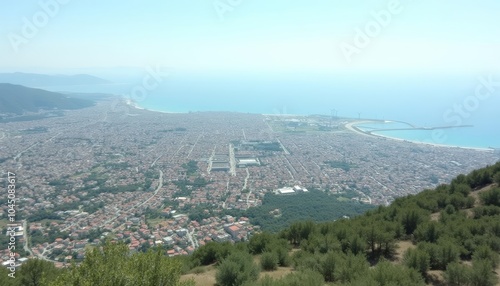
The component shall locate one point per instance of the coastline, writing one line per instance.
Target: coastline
(352, 127)
(133, 104)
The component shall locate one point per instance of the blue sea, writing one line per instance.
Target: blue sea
(424, 101)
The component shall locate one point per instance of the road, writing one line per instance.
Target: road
(118, 212)
(283, 147)
(245, 186)
(26, 238)
(42, 256)
(211, 159)
(156, 160)
(160, 185)
(232, 160)
(27, 149)
(21, 153)
(227, 191)
(194, 242)
(194, 145)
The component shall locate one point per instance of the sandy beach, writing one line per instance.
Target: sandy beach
(352, 127)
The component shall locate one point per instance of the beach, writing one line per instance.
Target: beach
(352, 127)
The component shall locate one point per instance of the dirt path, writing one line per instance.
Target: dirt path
(475, 194)
(202, 279)
(401, 248)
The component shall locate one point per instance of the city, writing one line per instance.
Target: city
(137, 176)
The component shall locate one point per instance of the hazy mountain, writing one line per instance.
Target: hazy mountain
(40, 80)
(17, 99)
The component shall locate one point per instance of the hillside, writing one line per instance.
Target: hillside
(446, 236)
(17, 99)
(40, 80)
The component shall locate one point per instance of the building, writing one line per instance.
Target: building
(233, 230)
(243, 162)
(285, 191)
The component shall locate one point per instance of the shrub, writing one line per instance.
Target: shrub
(457, 274)
(269, 261)
(237, 269)
(496, 178)
(417, 259)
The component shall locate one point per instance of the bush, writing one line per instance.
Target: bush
(491, 197)
(481, 274)
(207, 254)
(351, 267)
(112, 265)
(259, 242)
(484, 252)
(283, 257)
(496, 178)
(198, 270)
(417, 259)
(237, 269)
(457, 274)
(303, 278)
(386, 273)
(328, 266)
(440, 254)
(269, 261)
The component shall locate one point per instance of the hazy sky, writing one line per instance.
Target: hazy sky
(252, 35)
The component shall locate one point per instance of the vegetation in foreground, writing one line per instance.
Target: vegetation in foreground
(453, 233)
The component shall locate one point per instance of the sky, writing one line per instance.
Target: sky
(252, 35)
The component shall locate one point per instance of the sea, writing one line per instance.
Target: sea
(457, 110)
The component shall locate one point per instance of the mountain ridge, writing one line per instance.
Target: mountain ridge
(18, 100)
(41, 80)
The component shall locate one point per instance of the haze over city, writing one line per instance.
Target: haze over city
(273, 137)
(251, 36)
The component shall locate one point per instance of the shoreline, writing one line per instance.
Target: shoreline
(352, 127)
(132, 104)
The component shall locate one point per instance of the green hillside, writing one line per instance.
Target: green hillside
(17, 99)
(446, 236)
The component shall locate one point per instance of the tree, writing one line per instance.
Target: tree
(457, 274)
(351, 267)
(484, 252)
(496, 178)
(6, 280)
(491, 197)
(301, 278)
(269, 261)
(417, 259)
(481, 274)
(112, 266)
(207, 254)
(34, 271)
(237, 269)
(328, 266)
(386, 273)
(410, 219)
(440, 254)
(357, 245)
(429, 232)
(372, 235)
(258, 243)
(283, 257)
